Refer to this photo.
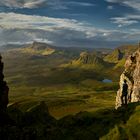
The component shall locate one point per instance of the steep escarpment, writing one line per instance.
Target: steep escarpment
(118, 56)
(132, 75)
(89, 60)
(86, 58)
(115, 56)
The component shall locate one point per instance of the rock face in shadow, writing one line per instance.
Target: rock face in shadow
(115, 56)
(35, 123)
(132, 75)
(3, 89)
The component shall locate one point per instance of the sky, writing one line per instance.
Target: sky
(70, 23)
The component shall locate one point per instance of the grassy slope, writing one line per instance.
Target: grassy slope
(68, 91)
(129, 129)
(107, 124)
(34, 78)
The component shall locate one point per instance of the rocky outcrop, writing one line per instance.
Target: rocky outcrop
(3, 89)
(114, 57)
(132, 75)
(89, 59)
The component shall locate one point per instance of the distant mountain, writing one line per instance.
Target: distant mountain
(38, 48)
(89, 60)
(128, 49)
(115, 56)
(71, 56)
(119, 55)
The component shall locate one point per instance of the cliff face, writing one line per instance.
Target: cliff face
(3, 89)
(89, 59)
(132, 75)
(114, 57)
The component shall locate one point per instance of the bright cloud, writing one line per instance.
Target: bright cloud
(21, 21)
(55, 4)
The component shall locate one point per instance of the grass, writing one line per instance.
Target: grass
(66, 90)
(63, 99)
(82, 104)
(130, 127)
(104, 124)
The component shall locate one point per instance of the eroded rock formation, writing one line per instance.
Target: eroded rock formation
(132, 75)
(3, 89)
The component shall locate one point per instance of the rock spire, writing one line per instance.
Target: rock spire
(132, 75)
(3, 88)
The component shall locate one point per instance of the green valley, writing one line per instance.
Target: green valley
(68, 81)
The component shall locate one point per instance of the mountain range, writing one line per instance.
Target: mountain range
(57, 71)
(60, 93)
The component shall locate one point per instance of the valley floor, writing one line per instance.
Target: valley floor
(66, 90)
(62, 102)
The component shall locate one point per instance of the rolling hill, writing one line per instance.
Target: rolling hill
(65, 103)
(68, 76)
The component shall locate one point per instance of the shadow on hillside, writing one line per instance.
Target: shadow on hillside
(90, 126)
(37, 124)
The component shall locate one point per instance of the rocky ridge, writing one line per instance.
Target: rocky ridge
(89, 59)
(115, 56)
(132, 75)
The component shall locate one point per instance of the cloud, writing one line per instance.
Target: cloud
(110, 7)
(21, 21)
(55, 4)
(135, 4)
(74, 3)
(126, 20)
(35, 4)
(20, 28)
(123, 21)
(62, 4)
(23, 3)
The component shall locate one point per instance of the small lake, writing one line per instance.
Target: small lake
(107, 81)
